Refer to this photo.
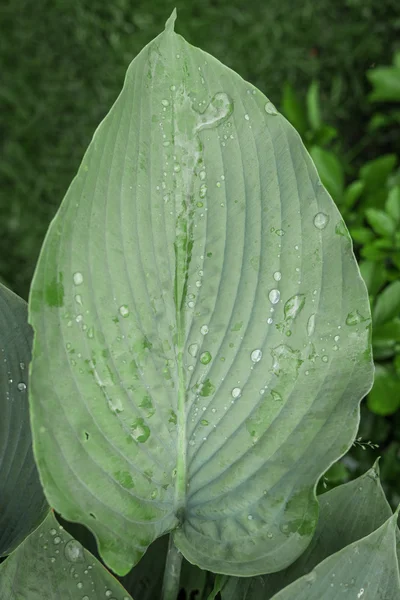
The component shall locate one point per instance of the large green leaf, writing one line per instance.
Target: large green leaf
(51, 565)
(22, 502)
(348, 513)
(201, 326)
(367, 569)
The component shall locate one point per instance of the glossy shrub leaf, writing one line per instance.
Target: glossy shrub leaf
(348, 513)
(381, 222)
(386, 84)
(393, 204)
(374, 173)
(313, 106)
(22, 502)
(367, 568)
(352, 194)
(374, 276)
(330, 170)
(384, 398)
(193, 370)
(51, 565)
(387, 304)
(293, 109)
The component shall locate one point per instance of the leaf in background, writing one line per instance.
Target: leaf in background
(293, 109)
(22, 502)
(313, 106)
(374, 174)
(387, 305)
(362, 235)
(374, 276)
(366, 569)
(384, 398)
(144, 581)
(386, 84)
(393, 204)
(348, 513)
(324, 135)
(193, 581)
(352, 193)
(330, 170)
(380, 222)
(193, 371)
(51, 565)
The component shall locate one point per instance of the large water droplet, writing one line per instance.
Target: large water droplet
(21, 386)
(139, 431)
(193, 349)
(236, 392)
(203, 190)
(78, 278)
(321, 220)
(256, 355)
(285, 360)
(218, 110)
(204, 329)
(73, 552)
(354, 318)
(277, 275)
(205, 358)
(274, 296)
(124, 310)
(293, 306)
(311, 325)
(270, 108)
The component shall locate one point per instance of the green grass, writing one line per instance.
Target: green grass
(63, 63)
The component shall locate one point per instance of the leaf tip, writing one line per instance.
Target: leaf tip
(170, 24)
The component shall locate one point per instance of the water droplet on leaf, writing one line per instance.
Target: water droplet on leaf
(274, 296)
(321, 220)
(256, 355)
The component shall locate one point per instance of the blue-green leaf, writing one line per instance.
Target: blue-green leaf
(22, 502)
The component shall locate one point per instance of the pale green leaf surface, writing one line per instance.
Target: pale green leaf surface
(22, 502)
(348, 513)
(51, 565)
(366, 570)
(202, 329)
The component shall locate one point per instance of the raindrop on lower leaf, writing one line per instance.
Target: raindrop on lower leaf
(21, 386)
(73, 552)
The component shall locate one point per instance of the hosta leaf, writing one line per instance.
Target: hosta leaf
(202, 329)
(22, 502)
(51, 565)
(348, 513)
(367, 569)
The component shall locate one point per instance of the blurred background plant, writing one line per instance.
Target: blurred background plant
(333, 69)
